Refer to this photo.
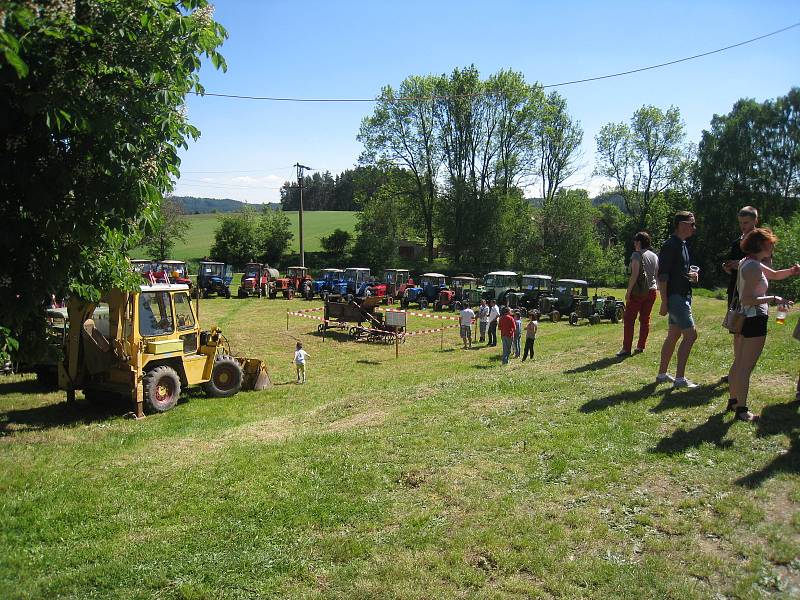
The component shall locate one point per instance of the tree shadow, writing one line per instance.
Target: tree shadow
(602, 363)
(710, 432)
(24, 386)
(699, 396)
(619, 398)
(61, 414)
(369, 362)
(777, 419)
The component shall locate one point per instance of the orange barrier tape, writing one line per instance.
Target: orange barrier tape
(416, 314)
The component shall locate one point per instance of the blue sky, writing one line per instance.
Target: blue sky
(351, 49)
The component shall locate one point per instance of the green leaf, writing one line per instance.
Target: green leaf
(15, 61)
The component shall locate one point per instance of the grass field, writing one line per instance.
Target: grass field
(316, 224)
(438, 475)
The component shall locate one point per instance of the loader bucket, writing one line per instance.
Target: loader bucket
(256, 376)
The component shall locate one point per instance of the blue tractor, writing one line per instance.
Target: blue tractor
(426, 292)
(214, 278)
(330, 282)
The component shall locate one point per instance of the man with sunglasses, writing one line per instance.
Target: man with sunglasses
(675, 281)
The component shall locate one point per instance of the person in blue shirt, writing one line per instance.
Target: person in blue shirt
(675, 281)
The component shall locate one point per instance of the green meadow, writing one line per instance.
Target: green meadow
(316, 224)
(438, 474)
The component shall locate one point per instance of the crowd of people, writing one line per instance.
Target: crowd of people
(670, 275)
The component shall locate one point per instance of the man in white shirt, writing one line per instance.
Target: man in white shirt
(483, 318)
(467, 316)
(494, 315)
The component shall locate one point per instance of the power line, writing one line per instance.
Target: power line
(244, 171)
(550, 85)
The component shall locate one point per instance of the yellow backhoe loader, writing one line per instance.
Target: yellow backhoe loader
(154, 347)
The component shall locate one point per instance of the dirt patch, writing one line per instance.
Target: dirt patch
(371, 418)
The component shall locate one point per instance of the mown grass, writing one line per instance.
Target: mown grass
(441, 474)
(316, 224)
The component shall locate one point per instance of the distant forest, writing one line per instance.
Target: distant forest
(196, 206)
(323, 191)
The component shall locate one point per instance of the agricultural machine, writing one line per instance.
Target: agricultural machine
(214, 278)
(297, 281)
(257, 280)
(426, 292)
(338, 315)
(497, 285)
(396, 280)
(463, 289)
(355, 278)
(330, 281)
(174, 270)
(564, 298)
(141, 265)
(598, 308)
(533, 287)
(154, 348)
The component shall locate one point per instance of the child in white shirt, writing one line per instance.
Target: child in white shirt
(299, 361)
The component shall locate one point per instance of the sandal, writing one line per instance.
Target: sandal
(743, 414)
(731, 404)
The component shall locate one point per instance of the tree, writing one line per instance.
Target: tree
(168, 228)
(644, 158)
(336, 243)
(235, 239)
(273, 236)
(401, 133)
(91, 119)
(557, 141)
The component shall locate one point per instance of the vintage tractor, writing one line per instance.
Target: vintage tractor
(498, 284)
(155, 348)
(257, 280)
(426, 292)
(598, 308)
(355, 278)
(461, 290)
(396, 280)
(214, 278)
(326, 284)
(532, 288)
(141, 265)
(563, 298)
(297, 281)
(174, 270)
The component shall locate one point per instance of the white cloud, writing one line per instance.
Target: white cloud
(266, 179)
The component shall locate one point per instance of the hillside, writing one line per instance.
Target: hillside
(194, 206)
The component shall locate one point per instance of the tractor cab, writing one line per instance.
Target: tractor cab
(497, 284)
(327, 282)
(214, 278)
(396, 281)
(256, 280)
(141, 265)
(533, 286)
(564, 297)
(174, 270)
(153, 348)
(355, 278)
(426, 291)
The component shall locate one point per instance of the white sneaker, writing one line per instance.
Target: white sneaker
(682, 382)
(664, 378)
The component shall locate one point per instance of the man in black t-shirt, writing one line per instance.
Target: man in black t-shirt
(748, 220)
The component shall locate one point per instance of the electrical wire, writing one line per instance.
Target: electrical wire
(550, 85)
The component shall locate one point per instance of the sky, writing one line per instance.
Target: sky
(348, 49)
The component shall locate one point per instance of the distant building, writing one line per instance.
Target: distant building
(414, 250)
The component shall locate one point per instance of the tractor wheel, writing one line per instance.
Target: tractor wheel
(618, 314)
(555, 316)
(226, 378)
(289, 294)
(353, 332)
(162, 388)
(273, 294)
(404, 303)
(423, 304)
(227, 292)
(242, 293)
(594, 320)
(309, 294)
(573, 319)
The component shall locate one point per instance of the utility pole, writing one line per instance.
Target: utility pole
(300, 169)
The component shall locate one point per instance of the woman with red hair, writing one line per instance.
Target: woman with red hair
(752, 283)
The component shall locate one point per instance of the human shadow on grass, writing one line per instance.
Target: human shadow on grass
(710, 432)
(777, 419)
(699, 396)
(619, 398)
(601, 363)
(362, 361)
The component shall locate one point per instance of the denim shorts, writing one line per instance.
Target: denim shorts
(680, 311)
(466, 331)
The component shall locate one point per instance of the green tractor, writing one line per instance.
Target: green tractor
(498, 284)
(564, 297)
(533, 287)
(598, 308)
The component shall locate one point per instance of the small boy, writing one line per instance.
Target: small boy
(467, 316)
(517, 333)
(530, 333)
(299, 361)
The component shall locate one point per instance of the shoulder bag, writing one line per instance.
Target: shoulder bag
(734, 318)
(640, 288)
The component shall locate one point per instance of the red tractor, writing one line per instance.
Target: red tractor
(456, 294)
(257, 280)
(297, 281)
(396, 281)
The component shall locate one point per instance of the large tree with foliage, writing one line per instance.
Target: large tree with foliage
(235, 239)
(91, 119)
(273, 235)
(644, 158)
(556, 144)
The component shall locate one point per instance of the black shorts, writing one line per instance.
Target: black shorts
(755, 326)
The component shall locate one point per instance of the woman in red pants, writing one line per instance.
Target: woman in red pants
(641, 294)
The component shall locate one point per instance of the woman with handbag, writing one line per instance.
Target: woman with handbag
(641, 294)
(752, 283)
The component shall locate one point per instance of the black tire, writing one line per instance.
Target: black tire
(555, 316)
(226, 378)
(573, 319)
(309, 294)
(404, 303)
(227, 292)
(242, 293)
(618, 314)
(289, 294)
(273, 294)
(353, 332)
(162, 388)
(423, 304)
